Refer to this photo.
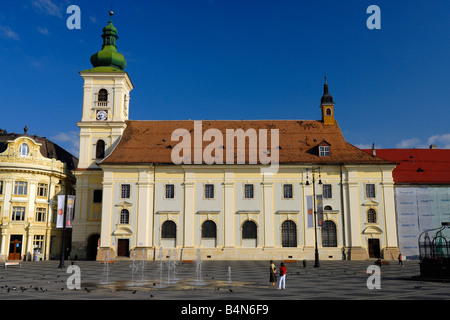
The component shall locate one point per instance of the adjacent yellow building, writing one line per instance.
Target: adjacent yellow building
(33, 171)
(233, 189)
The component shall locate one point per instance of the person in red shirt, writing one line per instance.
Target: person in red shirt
(282, 281)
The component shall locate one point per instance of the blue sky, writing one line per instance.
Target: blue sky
(236, 59)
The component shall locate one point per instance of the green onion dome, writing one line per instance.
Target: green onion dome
(108, 56)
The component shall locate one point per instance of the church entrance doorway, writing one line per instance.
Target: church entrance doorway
(374, 248)
(123, 247)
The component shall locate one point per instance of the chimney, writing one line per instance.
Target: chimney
(433, 146)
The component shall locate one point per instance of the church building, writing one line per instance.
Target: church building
(252, 189)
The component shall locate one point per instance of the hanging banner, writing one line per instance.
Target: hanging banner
(319, 210)
(70, 207)
(60, 214)
(310, 211)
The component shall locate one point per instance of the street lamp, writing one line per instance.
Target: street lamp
(316, 253)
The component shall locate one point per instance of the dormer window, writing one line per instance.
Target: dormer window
(24, 150)
(324, 151)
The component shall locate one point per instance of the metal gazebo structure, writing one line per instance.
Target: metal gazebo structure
(434, 251)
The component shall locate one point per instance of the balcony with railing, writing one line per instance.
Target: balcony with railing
(102, 104)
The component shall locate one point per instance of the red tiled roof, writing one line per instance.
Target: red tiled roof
(418, 166)
(150, 141)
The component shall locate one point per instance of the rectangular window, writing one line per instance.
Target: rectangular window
(209, 191)
(1, 187)
(42, 190)
(170, 191)
(40, 214)
(370, 190)
(38, 242)
(18, 214)
(287, 191)
(125, 192)
(98, 196)
(20, 188)
(327, 191)
(54, 214)
(324, 151)
(248, 191)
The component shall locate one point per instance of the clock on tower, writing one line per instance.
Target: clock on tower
(102, 115)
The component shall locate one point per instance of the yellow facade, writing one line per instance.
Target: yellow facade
(149, 210)
(29, 185)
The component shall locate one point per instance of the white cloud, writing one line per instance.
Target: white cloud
(442, 141)
(43, 31)
(410, 143)
(69, 141)
(8, 33)
(48, 7)
(367, 146)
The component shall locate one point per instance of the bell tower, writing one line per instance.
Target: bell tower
(327, 106)
(106, 100)
(106, 97)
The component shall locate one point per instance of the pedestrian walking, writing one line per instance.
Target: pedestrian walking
(378, 262)
(282, 281)
(400, 260)
(273, 273)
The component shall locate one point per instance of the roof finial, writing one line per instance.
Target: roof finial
(111, 13)
(326, 98)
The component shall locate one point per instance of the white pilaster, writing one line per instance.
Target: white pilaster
(229, 210)
(268, 208)
(107, 207)
(145, 212)
(189, 207)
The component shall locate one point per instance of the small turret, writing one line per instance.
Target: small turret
(327, 106)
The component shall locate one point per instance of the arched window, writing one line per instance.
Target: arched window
(102, 95)
(100, 149)
(289, 234)
(328, 112)
(209, 230)
(249, 230)
(124, 216)
(371, 216)
(169, 230)
(329, 236)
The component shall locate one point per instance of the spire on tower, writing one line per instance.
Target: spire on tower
(327, 105)
(108, 56)
(326, 98)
